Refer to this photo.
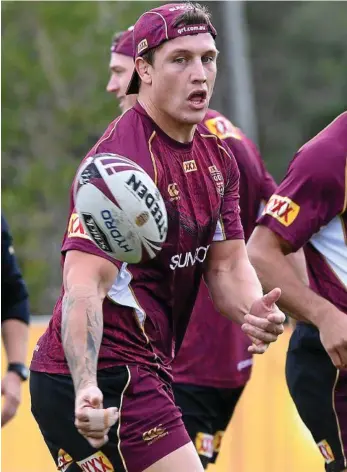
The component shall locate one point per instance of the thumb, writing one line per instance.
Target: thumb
(270, 298)
(112, 414)
(94, 397)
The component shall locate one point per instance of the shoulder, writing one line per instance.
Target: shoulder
(219, 125)
(322, 160)
(129, 136)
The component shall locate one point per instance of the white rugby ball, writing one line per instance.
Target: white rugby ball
(121, 208)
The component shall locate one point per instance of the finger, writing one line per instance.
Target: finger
(96, 419)
(335, 358)
(264, 323)
(258, 349)
(258, 333)
(92, 397)
(93, 434)
(276, 317)
(271, 298)
(97, 443)
(9, 410)
(82, 415)
(343, 356)
(111, 416)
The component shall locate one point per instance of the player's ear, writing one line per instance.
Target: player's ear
(144, 70)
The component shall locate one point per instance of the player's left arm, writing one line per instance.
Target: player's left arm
(231, 279)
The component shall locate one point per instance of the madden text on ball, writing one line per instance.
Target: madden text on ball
(142, 191)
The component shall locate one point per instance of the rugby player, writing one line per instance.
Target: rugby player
(213, 364)
(309, 209)
(108, 350)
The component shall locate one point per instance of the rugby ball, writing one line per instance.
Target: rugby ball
(120, 208)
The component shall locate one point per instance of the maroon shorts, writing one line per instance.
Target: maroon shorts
(149, 428)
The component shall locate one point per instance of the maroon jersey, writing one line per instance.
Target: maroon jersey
(148, 307)
(309, 207)
(214, 351)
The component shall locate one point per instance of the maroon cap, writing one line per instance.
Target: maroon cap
(124, 44)
(156, 26)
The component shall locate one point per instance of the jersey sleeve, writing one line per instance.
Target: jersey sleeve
(311, 194)
(115, 141)
(229, 224)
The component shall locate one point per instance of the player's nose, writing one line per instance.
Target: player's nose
(113, 85)
(198, 72)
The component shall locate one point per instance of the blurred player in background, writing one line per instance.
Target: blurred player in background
(213, 364)
(121, 68)
(115, 326)
(14, 326)
(309, 209)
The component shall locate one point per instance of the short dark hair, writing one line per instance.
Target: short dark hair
(197, 15)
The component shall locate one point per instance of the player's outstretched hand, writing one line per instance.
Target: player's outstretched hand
(264, 323)
(333, 335)
(11, 390)
(91, 419)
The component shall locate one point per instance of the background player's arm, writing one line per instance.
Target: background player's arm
(267, 251)
(237, 293)
(87, 279)
(15, 323)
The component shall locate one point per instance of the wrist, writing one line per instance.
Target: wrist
(85, 384)
(19, 369)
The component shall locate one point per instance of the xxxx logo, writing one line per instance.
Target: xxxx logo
(282, 208)
(97, 462)
(189, 166)
(154, 434)
(75, 228)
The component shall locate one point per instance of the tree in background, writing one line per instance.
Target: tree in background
(54, 63)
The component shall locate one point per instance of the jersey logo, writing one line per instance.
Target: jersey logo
(64, 460)
(154, 434)
(173, 191)
(282, 208)
(186, 259)
(218, 179)
(204, 444)
(142, 46)
(326, 451)
(97, 462)
(222, 128)
(75, 228)
(189, 166)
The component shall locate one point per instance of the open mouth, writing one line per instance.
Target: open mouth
(197, 97)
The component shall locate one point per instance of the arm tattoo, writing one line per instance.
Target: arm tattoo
(82, 329)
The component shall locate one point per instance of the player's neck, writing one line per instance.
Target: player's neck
(177, 131)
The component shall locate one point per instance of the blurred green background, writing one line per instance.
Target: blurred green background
(54, 104)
